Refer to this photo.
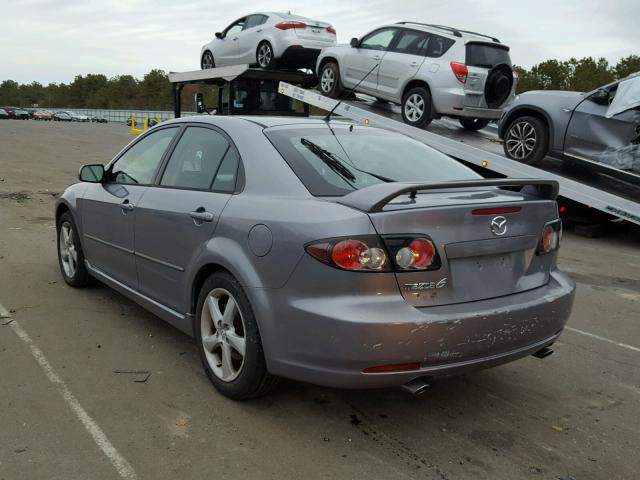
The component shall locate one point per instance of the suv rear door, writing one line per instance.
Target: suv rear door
(480, 58)
(401, 62)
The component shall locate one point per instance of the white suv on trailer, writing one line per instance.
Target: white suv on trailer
(430, 70)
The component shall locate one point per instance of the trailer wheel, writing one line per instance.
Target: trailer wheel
(474, 124)
(526, 140)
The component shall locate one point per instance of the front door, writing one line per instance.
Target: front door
(360, 63)
(592, 136)
(109, 209)
(176, 218)
(401, 63)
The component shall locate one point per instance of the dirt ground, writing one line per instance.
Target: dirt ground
(573, 416)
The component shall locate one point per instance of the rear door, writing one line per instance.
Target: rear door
(109, 208)
(592, 136)
(359, 64)
(179, 215)
(249, 38)
(485, 238)
(481, 58)
(401, 63)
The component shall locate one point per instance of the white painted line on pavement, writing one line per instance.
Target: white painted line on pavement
(4, 312)
(119, 462)
(598, 337)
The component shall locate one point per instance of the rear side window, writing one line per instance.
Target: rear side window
(196, 159)
(488, 56)
(438, 46)
(410, 42)
(335, 165)
(378, 40)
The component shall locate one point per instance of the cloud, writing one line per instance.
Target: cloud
(52, 40)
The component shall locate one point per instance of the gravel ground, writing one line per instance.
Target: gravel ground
(573, 415)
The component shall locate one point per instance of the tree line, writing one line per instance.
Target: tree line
(153, 91)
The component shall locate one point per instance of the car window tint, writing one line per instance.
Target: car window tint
(227, 173)
(410, 42)
(196, 159)
(334, 165)
(378, 40)
(438, 46)
(138, 165)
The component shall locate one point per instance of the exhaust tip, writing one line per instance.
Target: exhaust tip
(417, 386)
(543, 352)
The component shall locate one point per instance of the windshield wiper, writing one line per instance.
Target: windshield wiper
(333, 160)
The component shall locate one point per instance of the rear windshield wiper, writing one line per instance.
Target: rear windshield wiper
(333, 160)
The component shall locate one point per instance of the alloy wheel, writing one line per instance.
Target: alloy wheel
(68, 252)
(207, 61)
(264, 55)
(521, 140)
(327, 80)
(223, 334)
(414, 107)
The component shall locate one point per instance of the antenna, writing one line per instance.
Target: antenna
(349, 92)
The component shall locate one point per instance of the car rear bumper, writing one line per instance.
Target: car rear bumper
(456, 102)
(331, 340)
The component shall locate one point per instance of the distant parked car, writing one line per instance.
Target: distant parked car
(10, 111)
(268, 40)
(62, 117)
(430, 70)
(99, 119)
(20, 114)
(78, 117)
(42, 115)
(601, 126)
(4, 115)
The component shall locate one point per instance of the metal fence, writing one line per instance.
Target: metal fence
(121, 115)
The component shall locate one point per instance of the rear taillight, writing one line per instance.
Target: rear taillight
(412, 253)
(331, 29)
(460, 70)
(363, 254)
(550, 239)
(290, 25)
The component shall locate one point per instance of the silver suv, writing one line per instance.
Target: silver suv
(430, 70)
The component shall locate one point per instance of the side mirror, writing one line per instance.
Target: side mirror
(200, 107)
(354, 42)
(91, 173)
(218, 35)
(601, 97)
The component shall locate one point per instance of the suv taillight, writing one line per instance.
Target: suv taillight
(460, 70)
(289, 25)
(550, 239)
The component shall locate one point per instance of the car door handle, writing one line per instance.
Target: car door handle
(414, 64)
(126, 206)
(202, 215)
(377, 57)
(259, 30)
(234, 38)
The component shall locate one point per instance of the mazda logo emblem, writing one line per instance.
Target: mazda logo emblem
(499, 226)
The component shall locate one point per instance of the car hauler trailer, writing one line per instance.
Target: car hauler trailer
(625, 206)
(243, 90)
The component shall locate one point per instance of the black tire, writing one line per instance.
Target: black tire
(329, 82)
(207, 61)
(526, 140)
(474, 124)
(80, 276)
(417, 97)
(252, 380)
(265, 58)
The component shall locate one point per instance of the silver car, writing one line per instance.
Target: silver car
(328, 253)
(601, 126)
(430, 70)
(268, 40)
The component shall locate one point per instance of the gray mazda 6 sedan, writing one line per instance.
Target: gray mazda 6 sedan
(325, 252)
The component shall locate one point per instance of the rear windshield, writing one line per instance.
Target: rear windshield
(335, 163)
(482, 55)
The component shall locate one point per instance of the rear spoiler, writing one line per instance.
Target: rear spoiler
(374, 198)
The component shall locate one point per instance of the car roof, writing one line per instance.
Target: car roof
(444, 30)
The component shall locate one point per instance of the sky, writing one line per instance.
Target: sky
(55, 40)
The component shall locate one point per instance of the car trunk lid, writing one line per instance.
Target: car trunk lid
(314, 31)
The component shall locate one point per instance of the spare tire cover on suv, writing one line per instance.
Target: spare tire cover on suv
(498, 85)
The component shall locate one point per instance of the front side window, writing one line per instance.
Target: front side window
(411, 42)
(196, 159)
(378, 40)
(138, 165)
(336, 163)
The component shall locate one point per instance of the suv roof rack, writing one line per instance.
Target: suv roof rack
(456, 32)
